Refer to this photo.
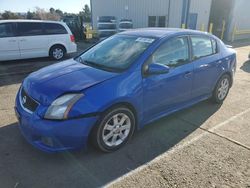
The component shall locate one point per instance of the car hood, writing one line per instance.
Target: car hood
(69, 76)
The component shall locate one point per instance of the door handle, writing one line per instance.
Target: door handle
(12, 40)
(22, 40)
(219, 62)
(187, 74)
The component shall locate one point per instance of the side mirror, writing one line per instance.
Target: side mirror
(155, 68)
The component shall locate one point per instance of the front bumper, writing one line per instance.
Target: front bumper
(53, 136)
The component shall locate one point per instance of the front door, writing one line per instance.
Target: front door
(165, 92)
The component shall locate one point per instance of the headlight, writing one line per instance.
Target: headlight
(60, 108)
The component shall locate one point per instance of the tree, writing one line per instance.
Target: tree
(59, 12)
(86, 13)
(9, 15)
(44, 15)
(30, 15)
(52, 10)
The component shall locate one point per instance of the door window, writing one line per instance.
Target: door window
(214, 45)
(6, 30)
(54, 29)
(202, 46)
(29, 29)
(173, 53)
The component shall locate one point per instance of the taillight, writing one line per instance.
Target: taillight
(72, 38)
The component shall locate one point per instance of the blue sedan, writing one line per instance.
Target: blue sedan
(121, 84)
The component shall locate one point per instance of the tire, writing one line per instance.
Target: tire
(57, 52)
(222, 88)
(115, 128)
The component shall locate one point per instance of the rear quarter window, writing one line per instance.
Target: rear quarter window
(54, 29)
(215, 46)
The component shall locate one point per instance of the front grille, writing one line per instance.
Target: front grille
(27, 102)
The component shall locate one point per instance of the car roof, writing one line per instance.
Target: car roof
(23, 20)
(161, 32)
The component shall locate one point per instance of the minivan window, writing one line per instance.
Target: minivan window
(29, 29)
(6, 30)
(173, 53)
(54, 29)
(202, 46)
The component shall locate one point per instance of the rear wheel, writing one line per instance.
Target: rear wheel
(114, 129)
(222, 89)
(57, 52)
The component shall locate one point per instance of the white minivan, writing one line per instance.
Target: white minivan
(21, 39)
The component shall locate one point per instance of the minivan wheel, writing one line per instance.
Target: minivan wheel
(114, 129)
(57, 52)
(222, 89)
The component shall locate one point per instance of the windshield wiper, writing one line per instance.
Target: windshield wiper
(99, 66)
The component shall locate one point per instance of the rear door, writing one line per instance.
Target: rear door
(57, 34)
(206, 60)
(9, 49)
(32, 41)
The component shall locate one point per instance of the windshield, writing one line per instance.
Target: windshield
(126, 25)
(116, 53)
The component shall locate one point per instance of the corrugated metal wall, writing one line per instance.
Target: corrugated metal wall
(175, 13)
(139, 10)
(136, 10)
(240, 19)
(203, 9)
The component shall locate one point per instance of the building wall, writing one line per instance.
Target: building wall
(240, 18)
(203, 10)
(139, 10)
(175, 13)
(136, 10)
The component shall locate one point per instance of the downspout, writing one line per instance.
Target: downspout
(92, 24)
(169, 4)
(187, 13)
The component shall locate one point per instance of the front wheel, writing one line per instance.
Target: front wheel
(114, 129)
(222, 89)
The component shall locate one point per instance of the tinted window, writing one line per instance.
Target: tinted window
(152, 21)
(173, 53)
(126, 25)
(157, 21)
(162, 21)
(6, 30)
(106, 26)
(54, 29)
(29, 29)
(202, 47)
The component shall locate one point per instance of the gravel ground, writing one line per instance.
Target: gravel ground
(206, 145)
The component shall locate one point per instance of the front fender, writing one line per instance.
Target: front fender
(125, 88)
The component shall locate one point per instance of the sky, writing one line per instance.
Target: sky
(70, 6)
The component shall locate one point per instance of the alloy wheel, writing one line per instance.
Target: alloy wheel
(58, 53)
(116, 130)
(223, 88)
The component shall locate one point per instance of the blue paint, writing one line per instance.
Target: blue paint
(152, 96)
